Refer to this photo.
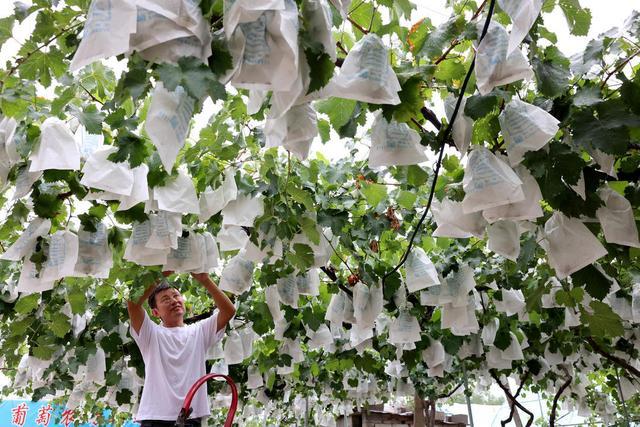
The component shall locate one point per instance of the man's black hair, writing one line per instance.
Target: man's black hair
(162, 286)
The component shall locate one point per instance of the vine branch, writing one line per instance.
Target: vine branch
(430, 116)
(446, 395)
(92, 96)
(198, 317)
(358, 26)
(523, 379)
(444, 55)
(455, 42)
(556, 398)
(331, 273)
(618, 68)
(286, 182)
(622, 399)
(479, 11)
(615, 359)
(342, 49)
(373, 15)
(70, 213)
(337, 254)
(25, 58)
(512, 398)
(65, 195)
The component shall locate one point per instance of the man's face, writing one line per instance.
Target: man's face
(169, 305)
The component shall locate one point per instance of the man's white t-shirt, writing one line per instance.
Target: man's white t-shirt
(174, 359)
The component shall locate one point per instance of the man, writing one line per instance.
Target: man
(174, 353)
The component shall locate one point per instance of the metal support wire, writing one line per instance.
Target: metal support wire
(445, 137)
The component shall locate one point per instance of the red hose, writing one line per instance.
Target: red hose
(186, 406)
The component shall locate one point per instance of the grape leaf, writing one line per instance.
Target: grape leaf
(62, 100)
(374, 193)
(27, 303)
(418, 34)
(339, 110)
(119, 120)
(6, 27)
(301, 196)
(135, 82)
(130, 147)
(302, 256)
(578, 18)
(123, 396)
(603, 322)
(411, 100)
(310, 228)
(261, 318)
(42, 66)
(45, 204)
(552, 72)
(587, 96)
(478, 106)
(157, 176)
(90, 220)
(135, 214)
(503, 339)
(220, 60)
(595, 283)
(90, 118)
(367, 17)
(605, 127)
(312, 318)
(14, 103)
(406, 199)
(416, 176)
(77, 299)
(324, 129)
(450, 70)
(350, 128)
(320, 69)
(442, 36)
(592, 55)
(630, 92)
(60, 326)
(558, 169)
(190, 73)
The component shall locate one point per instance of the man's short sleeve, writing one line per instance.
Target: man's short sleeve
(209, 328)
(143, 339)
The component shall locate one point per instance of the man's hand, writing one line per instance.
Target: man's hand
(226, 310)
(201, 277)
(136, 312)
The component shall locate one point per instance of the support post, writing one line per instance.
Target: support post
(432, 412)
(466, 395)
(306, 411)
(624, 404)
(418, 411)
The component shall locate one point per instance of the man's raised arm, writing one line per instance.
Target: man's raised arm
(136, 312)
(226, 309)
